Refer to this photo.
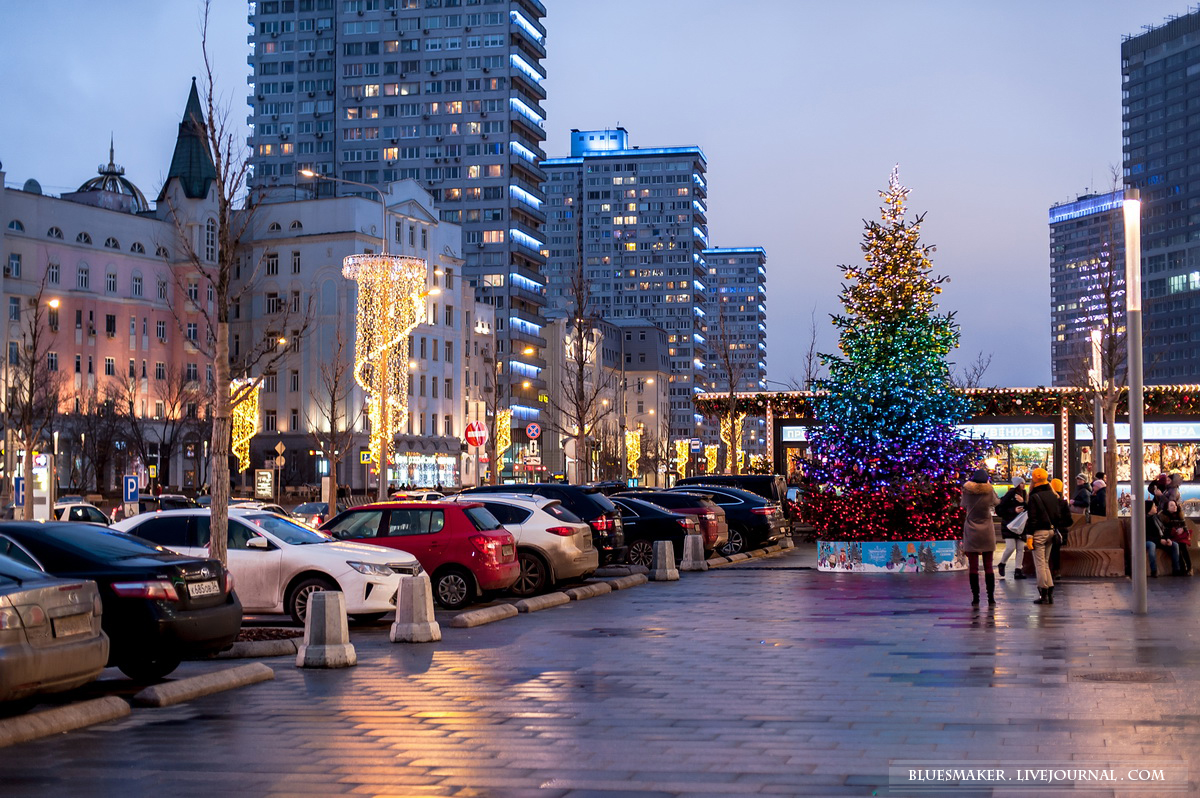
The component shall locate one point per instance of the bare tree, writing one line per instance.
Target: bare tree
(97, 423)
(333, 433)
(495, 399)
(33, 399)
(578, 406)
(157, 419)
(731, 368)
(812, 359)
(971, 376)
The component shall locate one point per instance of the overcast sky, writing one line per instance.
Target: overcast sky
(994, 111)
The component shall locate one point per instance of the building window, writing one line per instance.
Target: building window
(110, 367)
(190, 372)
(160, 370)
(449, 351)
(52, 361)
(136, 286)
(158, 409)
(83, 278)
(193, 290)
(210, 240)
(450, 316)
(295, 262)
(272, 262)
(193, 331)
(110, 282)
(132, 368)
(160, 329)
(52, 272)
(269, 421)
(162, 290)
(294, 421)
(14, 265)
(448, 429)
(294, 381)
(110, 325)
(449, 388)
(14, 308)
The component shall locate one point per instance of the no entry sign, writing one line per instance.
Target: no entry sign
(476, 433)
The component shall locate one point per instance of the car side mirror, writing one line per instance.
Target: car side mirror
(258, 543)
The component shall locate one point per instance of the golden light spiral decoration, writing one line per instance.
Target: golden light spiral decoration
(710, 458)
(728, 436)
(244, 421)
(633, 451)
(503, 436)
(391, 302)
(682, 452)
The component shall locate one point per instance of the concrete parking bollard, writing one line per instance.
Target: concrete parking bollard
(414, 612)
(786, 542)
(326, 633)
(693, 554)
(662, 567)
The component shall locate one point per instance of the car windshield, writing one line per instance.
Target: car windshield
(102, 543)
(15, 572)
(310, 508)
(594, 495)
(482, 519)
(287, 531)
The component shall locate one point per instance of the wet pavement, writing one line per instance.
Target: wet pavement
(762, 677)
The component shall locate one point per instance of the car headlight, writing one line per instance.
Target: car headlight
(370, 568)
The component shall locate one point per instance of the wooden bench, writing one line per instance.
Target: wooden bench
(1095, 548)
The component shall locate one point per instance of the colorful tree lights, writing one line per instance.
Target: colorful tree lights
(887, 458)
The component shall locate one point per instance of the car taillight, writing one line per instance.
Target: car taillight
(317, 520)
(603, 524)
(561, 531)
(159, 590)
(489, 546)
(686, 523)
(763, 510)
(710, 517)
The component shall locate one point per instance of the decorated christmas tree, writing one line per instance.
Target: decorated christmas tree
(888, 458)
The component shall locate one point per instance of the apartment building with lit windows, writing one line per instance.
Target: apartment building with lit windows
(635, 220)
(445, 92)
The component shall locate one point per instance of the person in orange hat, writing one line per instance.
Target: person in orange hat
(1043, 509)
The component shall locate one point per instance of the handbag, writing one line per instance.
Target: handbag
(1017, 525)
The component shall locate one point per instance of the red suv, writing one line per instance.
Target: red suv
(465, 550)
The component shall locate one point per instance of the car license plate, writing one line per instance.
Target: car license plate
(506, 551)
(72, 625)
(197, 589)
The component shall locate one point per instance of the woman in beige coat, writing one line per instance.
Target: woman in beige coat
(979, 533)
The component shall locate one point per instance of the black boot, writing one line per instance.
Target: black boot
(990, 580)
(1018, 573)
(1044, 598)
(1049, 595)
(974, 580)
(1001, 569)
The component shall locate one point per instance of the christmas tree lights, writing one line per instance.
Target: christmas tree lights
(391, 302)
(728, 436)
(243, 395)
(633, 451)
(886, 454)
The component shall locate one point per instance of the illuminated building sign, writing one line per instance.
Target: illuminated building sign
(792, 434)
(1151, 431)
(1009, 432)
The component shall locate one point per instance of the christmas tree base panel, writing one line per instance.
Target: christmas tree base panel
(891, 556)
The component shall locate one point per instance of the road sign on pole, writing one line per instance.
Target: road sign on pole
(280, 460)
(280, 448)
(19, 491)
(129, 483)
(533, 430)
(697, 445)
(476, 433)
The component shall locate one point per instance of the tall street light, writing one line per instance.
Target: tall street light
(1132, 207)
(391, 302)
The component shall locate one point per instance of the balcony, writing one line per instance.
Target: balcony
(528, 85)
(517, 335)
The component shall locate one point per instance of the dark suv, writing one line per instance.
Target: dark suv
(753, 520)
(587, 502)
(770, 486)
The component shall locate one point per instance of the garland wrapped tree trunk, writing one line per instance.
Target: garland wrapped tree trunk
(888, 459)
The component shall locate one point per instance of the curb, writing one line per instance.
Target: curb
(471, 618)
(610, 571)
(254, 649)
(168, 693)
(626, 582)
(588, 591)
(61, 719)
(542, 602)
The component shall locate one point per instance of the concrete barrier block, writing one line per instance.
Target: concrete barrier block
(180, 690)
(535, 603)
(33, 725)
(738, 557)
(662, 566)
(326, 633)
(253, 649)
(414, 612)
(626, 582)
(465, 620)
(693, 554)
(588, 591)
(609, 571)
(786, 542)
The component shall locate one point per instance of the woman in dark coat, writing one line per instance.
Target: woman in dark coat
(1175, 528)
(1011, 505)
(979, 534)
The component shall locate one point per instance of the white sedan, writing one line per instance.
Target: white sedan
(277, 564)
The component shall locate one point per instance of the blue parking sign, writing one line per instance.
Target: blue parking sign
(19, 491)
(130, 483)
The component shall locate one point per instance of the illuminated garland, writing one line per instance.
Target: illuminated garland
(710, 458)
(503, 436)
(887, 458)
(728, 436)
(391, 302)
(633, 451)
(682, 452)
(243, 396)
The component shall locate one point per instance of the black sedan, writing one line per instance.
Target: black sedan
(646, 523)
(159, 606)
(753, 520)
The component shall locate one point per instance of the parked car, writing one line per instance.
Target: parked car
(417, 496)
(770, 486)
(79, 511)
(159, 606)
(279, 563)
(70, 498)
(553, 544)
(609, 487)
(463, 547)
(586, 501)
(753, 520)
(647, 523)
(266, 507)
(710, 519)
(50, 631)
(175, 501)
(315, 513)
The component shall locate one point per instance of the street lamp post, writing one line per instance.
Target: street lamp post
(1132, 207)
(1097, 406)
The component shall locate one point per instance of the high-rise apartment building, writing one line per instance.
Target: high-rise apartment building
(441, 91)
(631, 225)
(1087, 280)
(1161, 115)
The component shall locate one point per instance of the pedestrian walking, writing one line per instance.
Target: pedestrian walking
(1011, 505)
(1043, 509)
(979, 533)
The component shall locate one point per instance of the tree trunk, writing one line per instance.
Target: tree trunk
(221, 440)
(27, 468)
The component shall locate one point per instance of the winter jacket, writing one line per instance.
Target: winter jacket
(978, 499)
(1082, 500)
(1011, 505)
(1043, 509)
(1099, 498)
